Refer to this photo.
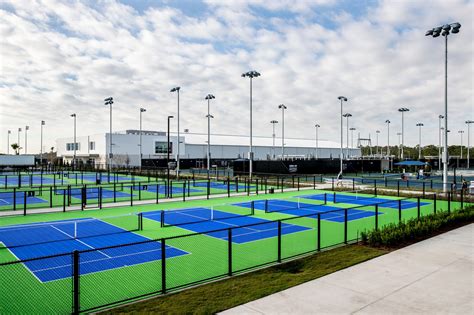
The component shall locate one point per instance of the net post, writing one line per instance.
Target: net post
(163, 266)
(434, 203)
(184, 191)
(319, 232)
(418, 208)
(162, 218)
(131, 195)
(50, 196)
(229, 249)
(24, 203)
(334, 197)
(279, 241)
(75, 283)
(376, 216)
(345, 226)
(266, 206)
(325, 198)
(399, 210)
(100, 197)
(140, 221)
(252, 207)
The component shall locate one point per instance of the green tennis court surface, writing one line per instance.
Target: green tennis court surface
(204, 239)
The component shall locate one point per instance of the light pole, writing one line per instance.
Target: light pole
(419, 139)
(341, 98)
(282, 107)
(19, 132)
(273, 122)
(435, 32)
(347, 115)
(251, 74)
(399, 134)
(352, 129)
(26, 138)
(142, 110)
(440, 117)
(468, 122)
(403, 110)
(41, 143)
(388, 137)
(168, 159)
(209, 97)
(177, 89)
(461, 132)
(317, 126)
(377, 142)
(74, 144)
(109, 101)
(8, 141)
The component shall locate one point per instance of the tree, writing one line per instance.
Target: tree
(16, 148)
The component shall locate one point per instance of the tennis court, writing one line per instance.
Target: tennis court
(362, 200)
(54, 238)
(296, 208)
(12, 181)
(93, 193)
(9, 198)
(203, 220)
(220, 185)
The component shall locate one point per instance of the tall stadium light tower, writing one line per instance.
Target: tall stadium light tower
(19, 147)
(282, 107)
(209, 97)
(317, 126)
(177, 89)
(440, 118)
(273, 122)
(8, 141)
(377, 142)
(142, 110)
(352, 129)
(461, 133)
(251, 74)
(168, 158)
(109, 101)
(388, 137)
(342, 99)
(26, 138)
(347, 115)
(445, 30)
(403, 110)
(399, 134)
(468, 122)
(419, 125)
(74, 144)
(41, 143)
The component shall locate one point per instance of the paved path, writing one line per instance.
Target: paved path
(431, 277)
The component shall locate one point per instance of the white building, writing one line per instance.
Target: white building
(94, 149)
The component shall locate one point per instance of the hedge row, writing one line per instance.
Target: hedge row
(396, 234)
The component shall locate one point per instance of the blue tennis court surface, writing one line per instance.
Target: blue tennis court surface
(6, 198)
(103, 178)
(261, 230)
(25, 181)
(93, 193)
(58, 237)
(362, 200)
(300, 209)
(219, 185)
(175, 190)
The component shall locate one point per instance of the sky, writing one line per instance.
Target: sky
(64, 57)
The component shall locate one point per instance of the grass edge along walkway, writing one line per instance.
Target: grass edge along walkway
(230, 292)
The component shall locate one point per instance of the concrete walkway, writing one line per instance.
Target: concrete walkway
(431, 277)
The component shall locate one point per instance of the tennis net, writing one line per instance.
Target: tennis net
(56, 231)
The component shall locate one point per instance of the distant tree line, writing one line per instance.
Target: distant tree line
(412, 152)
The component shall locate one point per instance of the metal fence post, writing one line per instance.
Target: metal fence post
(398, 188)
(131, 195)
(399, 210)
(434, 203)
(449, 202)
(64, 200)
(184, 191)
(298, 182)
(50, 196)
(345, 226)
(229, 241)
(279, 241)
(208, 190)
(163, 266)
(418, 208)
(157, 193)
(319, 232)
(376, 216)
(24, 202)
(76, 306)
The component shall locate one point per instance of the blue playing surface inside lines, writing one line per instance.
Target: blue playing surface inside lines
(292, 208)
(261, 230)
(58, 237)
(6, 198)
(361, 200)
(25, 180)
(93, 193)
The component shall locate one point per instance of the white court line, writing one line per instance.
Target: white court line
(78, 240)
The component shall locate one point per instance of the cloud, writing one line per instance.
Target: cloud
(63, 57)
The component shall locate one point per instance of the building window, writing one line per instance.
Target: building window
(160, 147)
(92, 145)
(70, 146)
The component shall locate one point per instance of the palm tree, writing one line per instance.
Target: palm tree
(16, 148)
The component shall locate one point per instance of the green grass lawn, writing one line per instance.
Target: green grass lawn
(207, 258)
